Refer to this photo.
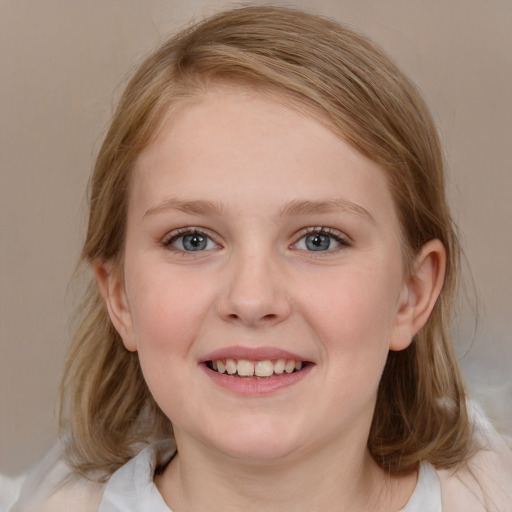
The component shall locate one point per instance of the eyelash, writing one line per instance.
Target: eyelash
(337, 236)
(173, 236)
(342, 240)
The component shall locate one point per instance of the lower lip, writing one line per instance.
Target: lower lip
(253, 385)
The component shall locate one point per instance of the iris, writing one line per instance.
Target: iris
(195, 242)
(318, 242)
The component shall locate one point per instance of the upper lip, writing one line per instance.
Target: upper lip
(251, 354)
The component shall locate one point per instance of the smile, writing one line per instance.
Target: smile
(256, 369)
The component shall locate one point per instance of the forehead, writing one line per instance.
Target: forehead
(234, 142)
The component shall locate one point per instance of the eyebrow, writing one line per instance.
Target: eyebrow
(295, 207)
(197, 207)
(307, 207)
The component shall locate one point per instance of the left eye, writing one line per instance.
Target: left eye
(319, 241)
(189, 242)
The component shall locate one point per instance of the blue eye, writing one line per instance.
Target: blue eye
(195, 242)
(192, 241)
(320, 240)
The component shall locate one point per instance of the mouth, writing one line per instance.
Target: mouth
(259, 369)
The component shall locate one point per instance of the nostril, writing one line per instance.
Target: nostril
(262, 310)
(269, 318)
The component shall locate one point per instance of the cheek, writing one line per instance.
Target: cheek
(356, 324)
(168, 312)
(168, 309)
(353, 312)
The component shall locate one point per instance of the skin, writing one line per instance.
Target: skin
(257, 284)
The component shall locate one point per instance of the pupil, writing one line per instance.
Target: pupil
(318, 242)
(195, 242)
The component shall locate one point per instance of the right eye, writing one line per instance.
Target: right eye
(190, 241)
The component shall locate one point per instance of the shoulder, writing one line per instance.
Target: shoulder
(51, 486)
(132, 486)
(9, 491)
(484, 482)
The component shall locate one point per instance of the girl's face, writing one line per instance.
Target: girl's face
(260, 242)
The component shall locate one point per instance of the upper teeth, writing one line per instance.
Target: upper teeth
(246, 368)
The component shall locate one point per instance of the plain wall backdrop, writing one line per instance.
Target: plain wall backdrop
(63, 65)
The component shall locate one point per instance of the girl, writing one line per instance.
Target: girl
(275, 265)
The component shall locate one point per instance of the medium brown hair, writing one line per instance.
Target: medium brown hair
(338, 76)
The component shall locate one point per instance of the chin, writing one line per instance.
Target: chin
(258, 453)
(258, 443)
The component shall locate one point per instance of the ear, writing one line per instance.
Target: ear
(419, 294)
(111, 285)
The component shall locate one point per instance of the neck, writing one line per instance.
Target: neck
(199, 480)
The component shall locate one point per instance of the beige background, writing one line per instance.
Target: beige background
(63, 63)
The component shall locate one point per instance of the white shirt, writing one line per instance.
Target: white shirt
(483, 484)
(131, 488)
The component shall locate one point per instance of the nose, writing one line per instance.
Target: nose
(254, 293)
